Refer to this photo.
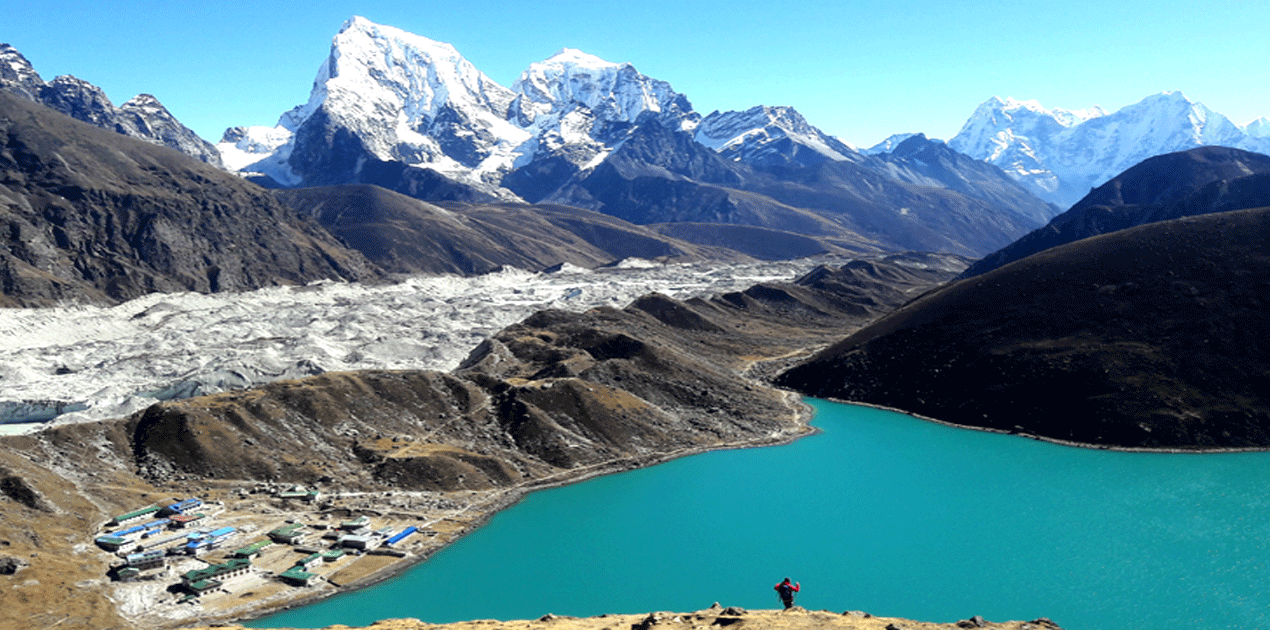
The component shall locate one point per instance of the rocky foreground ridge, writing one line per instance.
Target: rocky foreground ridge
(557, 398)
(716, 616)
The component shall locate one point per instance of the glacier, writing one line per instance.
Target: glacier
(80, 363)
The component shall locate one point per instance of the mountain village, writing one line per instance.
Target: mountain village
(253, 547)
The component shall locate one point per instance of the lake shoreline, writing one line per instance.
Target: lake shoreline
(805, 413)
(504, 499)
(1056, 441)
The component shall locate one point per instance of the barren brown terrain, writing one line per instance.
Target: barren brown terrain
(558, 398)
(795, 618)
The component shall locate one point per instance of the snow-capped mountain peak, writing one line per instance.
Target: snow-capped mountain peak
(388, 96)
(1259, 128)
(419, 74)
(393, 96)
(1061, 154)
(392, 87)
(397, 96)
(759, 136)
(997, 123)
(613, 92)
(17, 75)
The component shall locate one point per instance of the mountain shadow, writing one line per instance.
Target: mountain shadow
(1151, 337)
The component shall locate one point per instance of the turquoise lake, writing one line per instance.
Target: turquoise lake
(880, 512)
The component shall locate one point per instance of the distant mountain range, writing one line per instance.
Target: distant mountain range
(386, 99)
(1060, 155)
(1136, 319)
(401, 111)
(410, 115)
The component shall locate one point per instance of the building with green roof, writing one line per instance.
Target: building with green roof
(297, 576)
(132, 516)
(199, 580)
(253, 549)
(291, 534)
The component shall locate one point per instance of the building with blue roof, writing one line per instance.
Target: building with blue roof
(180, 507)
(402, 536)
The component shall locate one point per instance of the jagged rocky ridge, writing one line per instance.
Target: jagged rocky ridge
(142, 117)
(91, 215)
(770, 136)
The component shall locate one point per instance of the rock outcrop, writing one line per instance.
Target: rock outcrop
(143, 117)
(90, 215)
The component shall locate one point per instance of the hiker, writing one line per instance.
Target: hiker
(786, 591)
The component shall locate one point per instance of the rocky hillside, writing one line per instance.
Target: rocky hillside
(90, 215)
(404, 235)
(1152, 337)
(559, 397)
(1171, 186)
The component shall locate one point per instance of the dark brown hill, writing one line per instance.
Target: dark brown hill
(660, 175)
(1187, 183)
(402, 234)
(759, 242)
(1153, 337)
(87, 214)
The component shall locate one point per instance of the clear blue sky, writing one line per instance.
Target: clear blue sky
(858, 70)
